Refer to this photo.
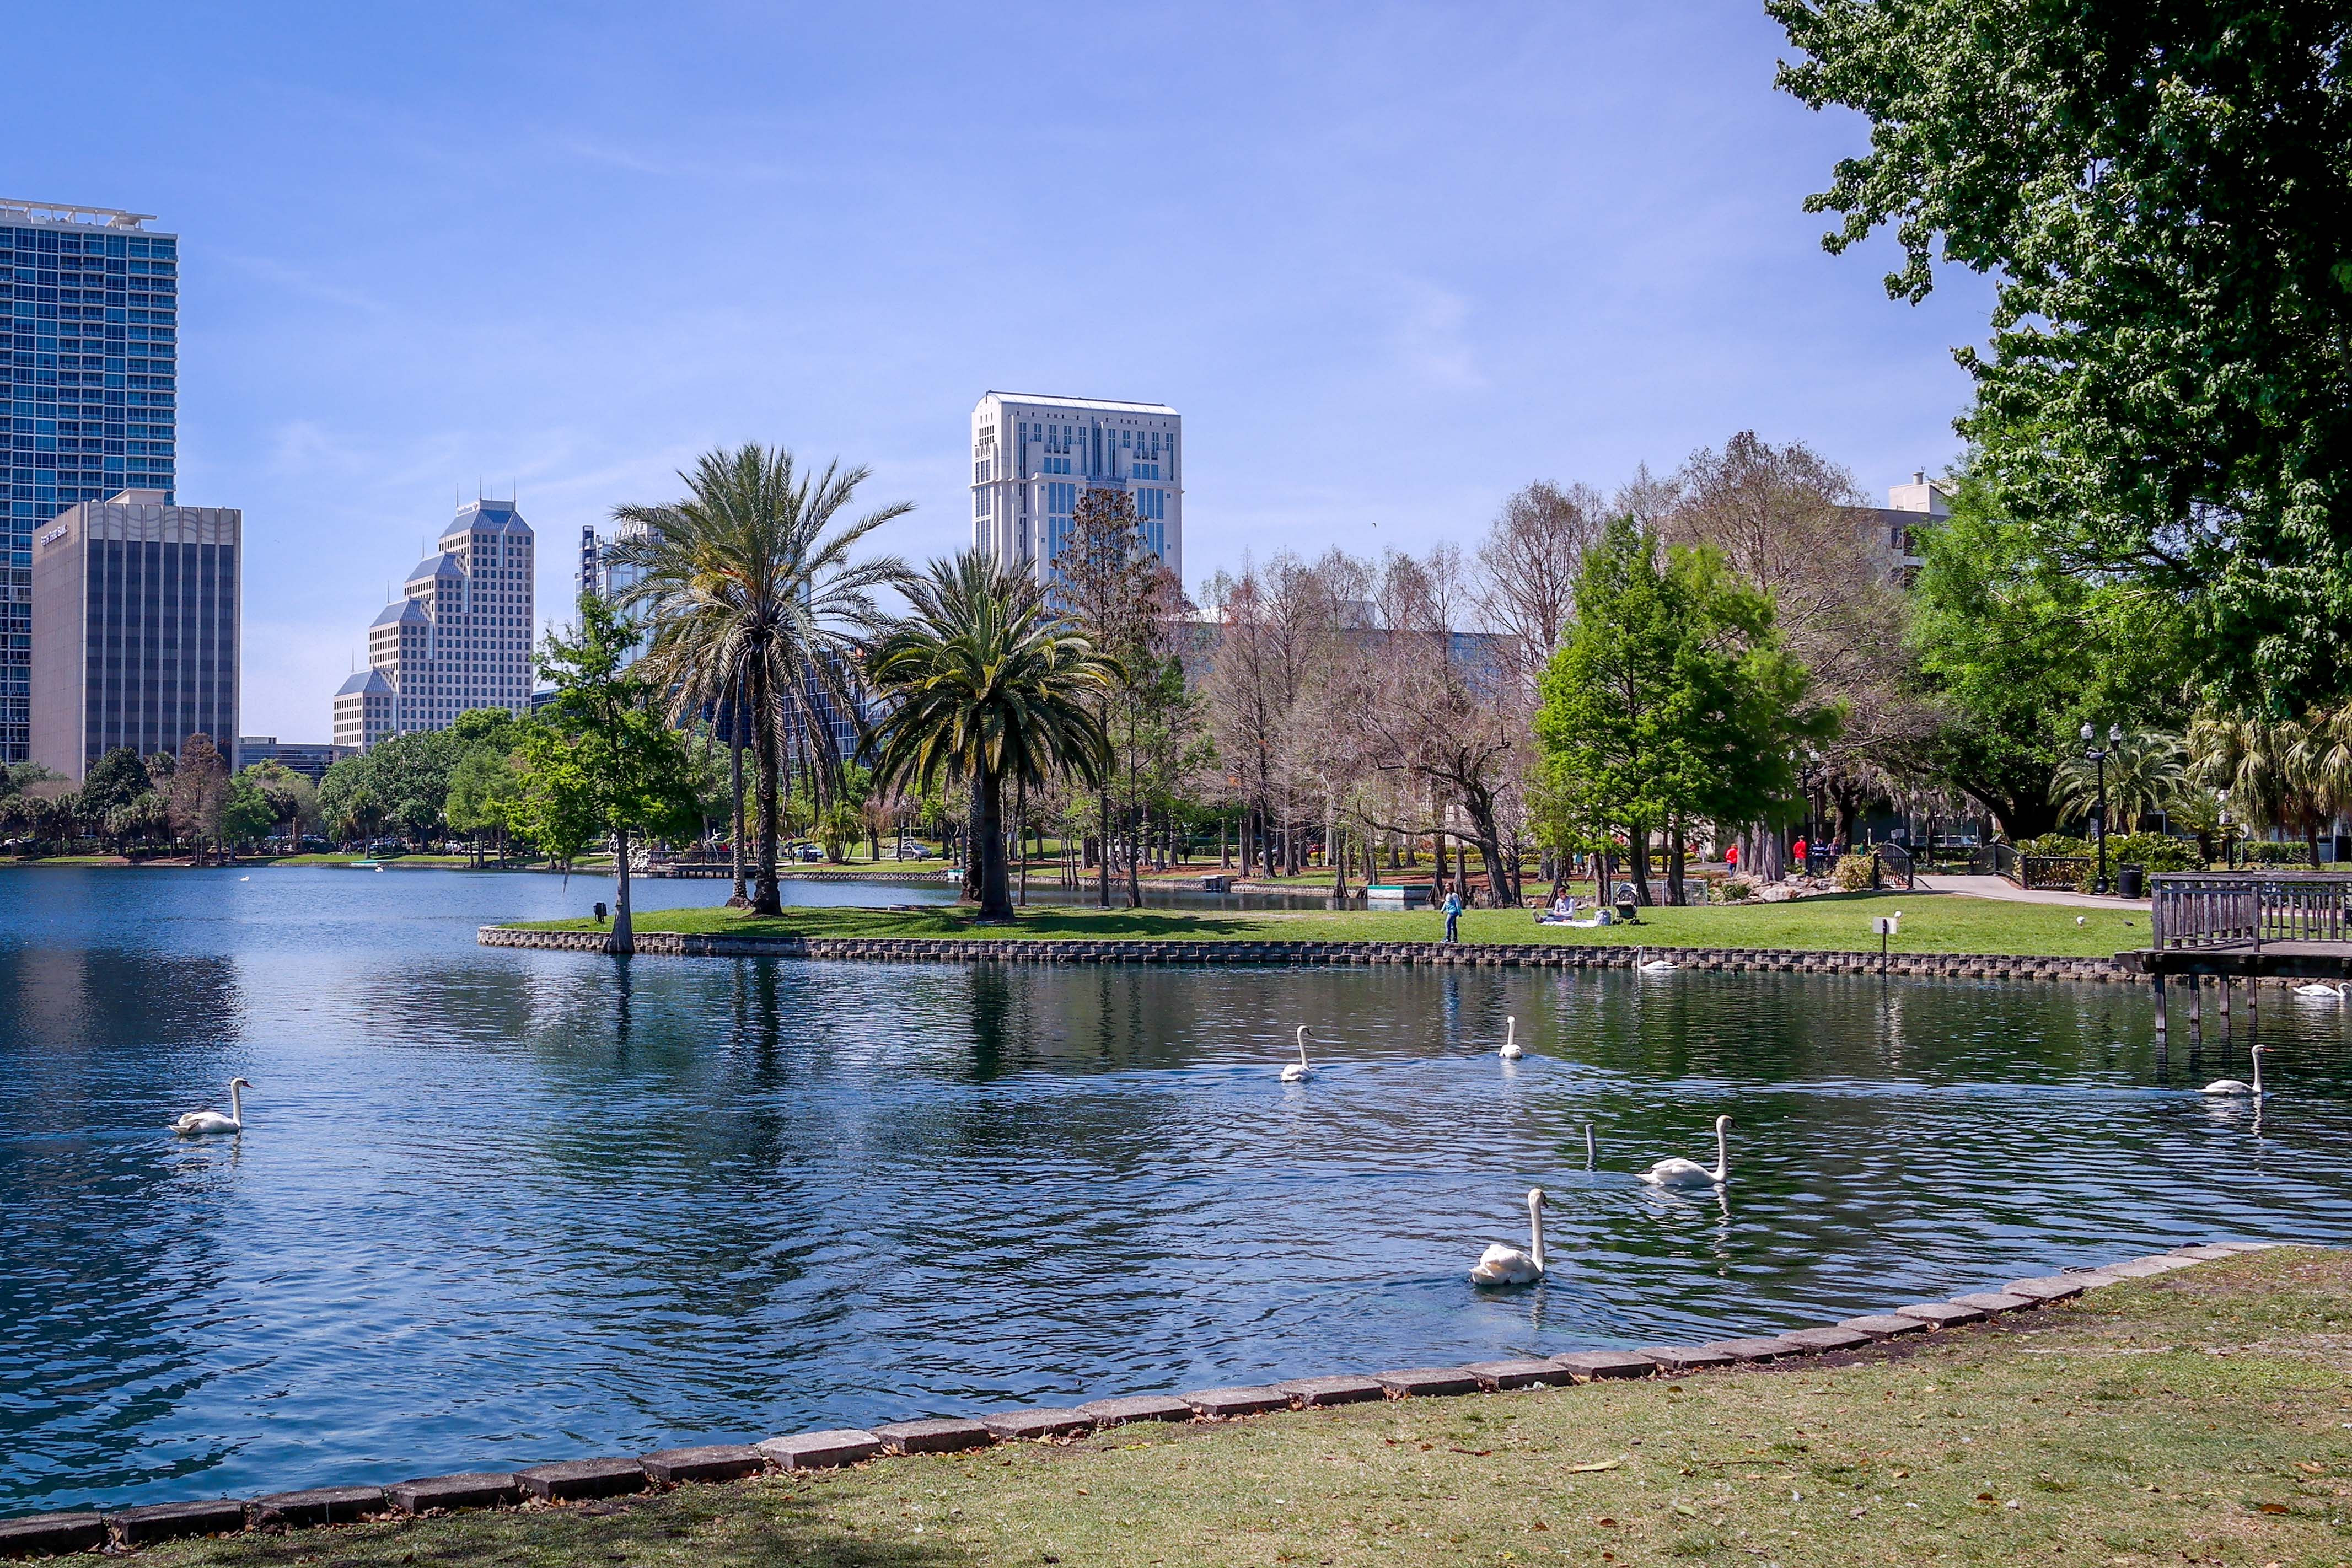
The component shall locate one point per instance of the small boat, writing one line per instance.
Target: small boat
(367, 865)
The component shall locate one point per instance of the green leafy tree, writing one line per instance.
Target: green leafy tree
(1671, 702)
(484, 791)
(2162, 193)
(755, 605)
(600, 760)
(292, 800)
(2019, 652)
(114, 781)
(986, 686)
(246, 815)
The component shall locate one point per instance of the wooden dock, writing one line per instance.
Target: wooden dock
(2248, 925)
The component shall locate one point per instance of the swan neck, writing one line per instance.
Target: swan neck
(1722, 1155)
(236, 1104)
(1535, 1233)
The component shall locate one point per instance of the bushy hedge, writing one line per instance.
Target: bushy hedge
(1853, 871)
(2156, 851)
(2057, 844)
(2267, 852)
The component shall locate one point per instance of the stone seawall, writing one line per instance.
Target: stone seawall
(1320, 954)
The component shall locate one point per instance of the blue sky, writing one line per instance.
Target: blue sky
(1390, 262)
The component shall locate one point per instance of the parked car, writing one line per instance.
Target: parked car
(810, 852)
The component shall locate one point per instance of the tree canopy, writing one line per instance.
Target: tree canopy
(2161, 192)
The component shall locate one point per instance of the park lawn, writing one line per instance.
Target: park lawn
(1932, 923)
(2199, 1418)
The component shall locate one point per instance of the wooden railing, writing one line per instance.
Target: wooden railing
(2247, 909)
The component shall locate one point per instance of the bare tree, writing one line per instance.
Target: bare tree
(1788, 519)
(1528, 563)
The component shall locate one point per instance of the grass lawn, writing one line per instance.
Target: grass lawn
(1932, 922)
(2203, 1417)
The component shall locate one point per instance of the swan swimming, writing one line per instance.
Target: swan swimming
(2237, 1085)
(200, 1121)
(1501, 1265)
(1511, 1050)
(1655, 965)
(1298, 1070)
(1678, 1172)
(2328, 992)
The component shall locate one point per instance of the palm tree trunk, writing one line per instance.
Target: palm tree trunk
(988, 849)
(765, 899)
(735, 787)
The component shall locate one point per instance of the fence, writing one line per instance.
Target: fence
(2247, 909)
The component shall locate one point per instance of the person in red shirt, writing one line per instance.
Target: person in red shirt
(1731, 857)
(1797, 851)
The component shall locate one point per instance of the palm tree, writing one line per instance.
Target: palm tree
(986, 684)
(2146, 773)
(2256, 764)
(756, 608)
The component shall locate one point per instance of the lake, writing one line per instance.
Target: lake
(499, 1207)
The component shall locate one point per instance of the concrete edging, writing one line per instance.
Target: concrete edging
(572, 1480)
(1502, 955)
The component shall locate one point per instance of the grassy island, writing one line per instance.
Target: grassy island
(2199, 1418)
(1932, 923)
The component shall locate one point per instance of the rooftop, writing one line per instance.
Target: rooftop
(11, 209)
(1050, 401)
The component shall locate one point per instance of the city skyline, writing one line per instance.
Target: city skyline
(1454, 256)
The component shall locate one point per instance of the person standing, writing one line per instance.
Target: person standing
(1797, 853)
(1731, 857)
(1453, 908)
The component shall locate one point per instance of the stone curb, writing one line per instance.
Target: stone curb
(583, 1479)
(1506, 955)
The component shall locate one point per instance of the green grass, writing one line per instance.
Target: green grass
(2200, 1418)
(1932, 923)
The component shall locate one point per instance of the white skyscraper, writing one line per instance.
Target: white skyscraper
(1031, 457)
(459, 637)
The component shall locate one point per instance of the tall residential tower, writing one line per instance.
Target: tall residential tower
(1032, 457)
(457, 638)
(91, 373)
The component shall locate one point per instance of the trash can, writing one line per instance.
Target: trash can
(2131, 881)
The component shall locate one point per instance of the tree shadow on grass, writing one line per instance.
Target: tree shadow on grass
(720, 1527)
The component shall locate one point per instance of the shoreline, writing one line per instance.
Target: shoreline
(1196, 952)
(1867, 1339)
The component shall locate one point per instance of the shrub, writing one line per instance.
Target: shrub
(1853, 872)
(2156, 851)
(1731, 890)
(2055, 843)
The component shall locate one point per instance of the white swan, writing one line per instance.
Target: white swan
(1588, 1146)
(2237, 1085)
(1679, 1172)
(1655, 965)
(1501, 1265)
(1511, 1050)
(2326, 992)
(1298, 1070)
(199, 1121)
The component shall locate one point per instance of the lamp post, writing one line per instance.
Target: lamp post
(2095, 754)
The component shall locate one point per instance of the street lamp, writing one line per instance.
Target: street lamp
(2093, 753)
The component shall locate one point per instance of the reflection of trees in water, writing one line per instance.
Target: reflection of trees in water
(109, 1237)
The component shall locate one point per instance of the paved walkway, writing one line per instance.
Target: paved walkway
(2007, 892)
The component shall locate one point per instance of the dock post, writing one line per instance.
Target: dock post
(2195, 1007)
(2161, 1023)
(2254, 1018)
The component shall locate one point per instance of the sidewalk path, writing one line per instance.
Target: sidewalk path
(2007, 892)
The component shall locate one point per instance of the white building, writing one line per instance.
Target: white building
(459, 637)
(1032, 457)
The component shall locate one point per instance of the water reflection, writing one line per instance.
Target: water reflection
(497, 1206)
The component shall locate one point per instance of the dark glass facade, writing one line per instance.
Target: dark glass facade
(90, 384)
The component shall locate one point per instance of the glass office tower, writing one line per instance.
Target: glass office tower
(92, 302)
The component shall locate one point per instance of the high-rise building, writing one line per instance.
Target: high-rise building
(134, 632)
(457, 638)
(1032, 457)
(607, 578)
(90, 376)
(312, 759)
